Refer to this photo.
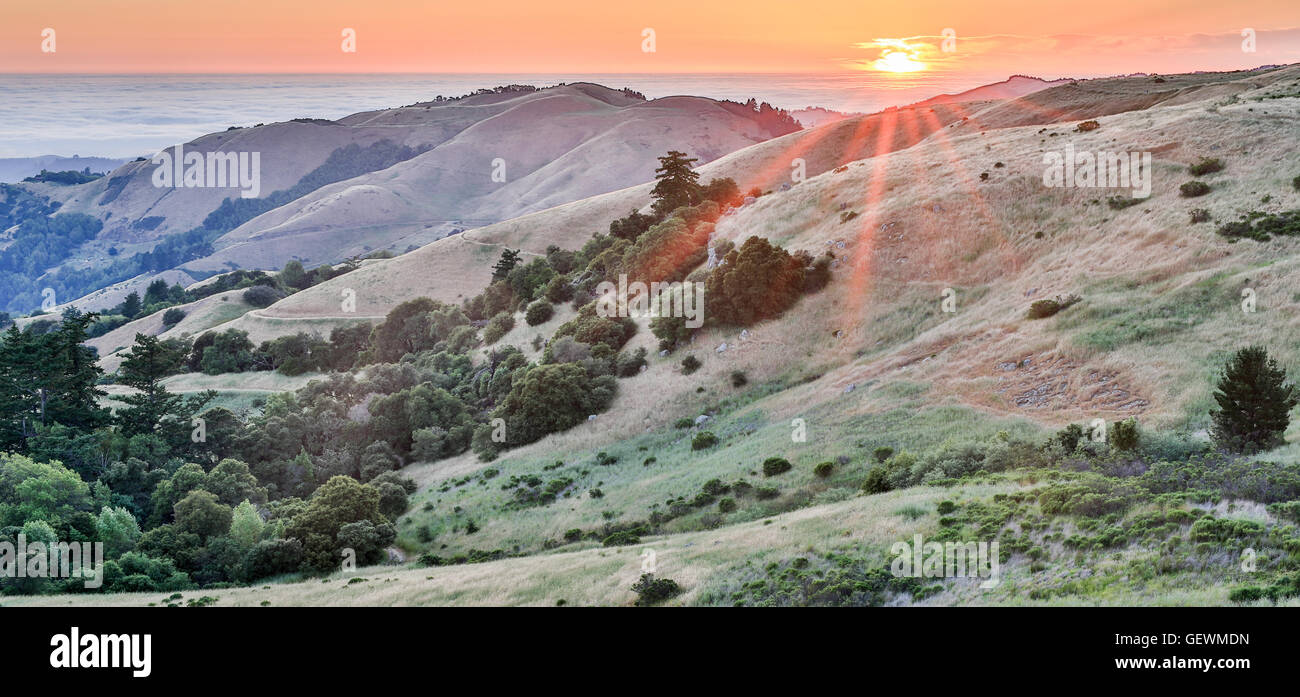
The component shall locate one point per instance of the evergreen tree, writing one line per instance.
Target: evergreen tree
(131, 306)
(48, 378)
(143, 367)
(678, 185)
(1254, 400)
(509, 257)
(155, 293)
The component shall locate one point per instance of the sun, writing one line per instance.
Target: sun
(898, 62)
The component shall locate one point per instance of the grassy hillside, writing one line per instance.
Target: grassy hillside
(877, 360)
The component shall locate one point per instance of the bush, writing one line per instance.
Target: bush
(172, 317)
(1206, 165)
(1193, 189)
(262, 296)
(651, 590)
(629, 364)
(1295, 183)
(538, 312)
(877, 481)
(497, 327)
(738, 379)
(767, 492)
(726, 505)
(703, 440)
(1123, 435)
(622, 537)
(773, 466)
(690, 364)
(882, 453)
(1041, 309)
(824, 469)
(756, 282)
(1200, 215)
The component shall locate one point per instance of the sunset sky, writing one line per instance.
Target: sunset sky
(998, 36)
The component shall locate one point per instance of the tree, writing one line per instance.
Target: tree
(338, 502)
(143, 367)
(155, 293)
(230, 352)
(757, 282)
(1255, 402)
(294, 275)
(246, 525)
(48, 378)
(131, 306)
(677, 184)
(118, 530)
(200, 513)
(504, 265)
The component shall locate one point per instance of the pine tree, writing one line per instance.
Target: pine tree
(678, 185)
(131, 306)
(1254, 400)
(504, 265)
(144, 367)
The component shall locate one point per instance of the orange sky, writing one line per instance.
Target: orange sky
(1048, 38)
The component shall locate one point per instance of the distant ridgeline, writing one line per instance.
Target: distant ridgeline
(46, 241)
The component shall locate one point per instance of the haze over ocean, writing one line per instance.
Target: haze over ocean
(137, 115)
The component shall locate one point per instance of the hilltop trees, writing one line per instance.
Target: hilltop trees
(1254, 400)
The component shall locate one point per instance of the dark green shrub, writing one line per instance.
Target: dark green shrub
(877, 481)
(738, 379)
(1246, 594)
(946, 507)
(727, 505)
(651, 590)
(621, 538)
(497, 327)
(1206, 165)
(1200, 215)
(767, 492)
(773, 466)
(690, 364)
(573, 535)
(1193, 189)
(684, 422)
(538, 312)
(824, 469)
(703, 440)
(262, 296)
(882, 453)
(172, 316)
(1124, 435)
